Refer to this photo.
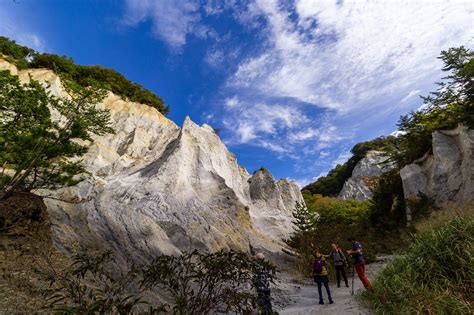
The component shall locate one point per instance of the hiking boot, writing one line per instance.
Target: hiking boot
(347, 285)
(321, 302)
(331, 302)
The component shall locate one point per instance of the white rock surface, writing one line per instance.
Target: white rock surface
(157, 188)
(367, 170)
(446, 175)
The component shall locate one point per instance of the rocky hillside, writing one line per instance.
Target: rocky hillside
(365, 176)
(157, 188)
(445, 175)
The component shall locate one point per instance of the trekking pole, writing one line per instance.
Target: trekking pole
(353, 271)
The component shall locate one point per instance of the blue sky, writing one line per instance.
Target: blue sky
(292, 85)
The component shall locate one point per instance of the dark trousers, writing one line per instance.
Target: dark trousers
(265, 302)
(341, 270)
(323, 280)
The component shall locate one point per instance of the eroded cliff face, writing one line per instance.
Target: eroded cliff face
(365, 175)
(447, 175)
(156, 188)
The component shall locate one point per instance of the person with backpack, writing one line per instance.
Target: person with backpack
(320, 275)
(340, 263)
(262, 285)
(359, 262)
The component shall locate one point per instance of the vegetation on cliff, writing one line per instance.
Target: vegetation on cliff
(36, 150)
(24, 57)
(331, 184)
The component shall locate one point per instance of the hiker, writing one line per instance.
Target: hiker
(320, 274)
(262, 285)
(340, 263)
(359, 263)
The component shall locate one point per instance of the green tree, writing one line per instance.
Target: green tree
(304, 220)
(451, 104)
(38, 151)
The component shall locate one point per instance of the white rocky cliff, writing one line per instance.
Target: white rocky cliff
(365, 175)
(157, 188)
(446, 175)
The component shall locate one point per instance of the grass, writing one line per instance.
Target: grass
(434, 276)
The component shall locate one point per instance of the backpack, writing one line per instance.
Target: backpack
(318, 265)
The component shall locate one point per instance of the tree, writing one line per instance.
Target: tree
(451, 104)
(37, 151)
(304, 220)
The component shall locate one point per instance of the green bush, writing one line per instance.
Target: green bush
(434, 276)
(193, 283)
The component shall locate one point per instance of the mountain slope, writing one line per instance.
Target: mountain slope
(157, 188)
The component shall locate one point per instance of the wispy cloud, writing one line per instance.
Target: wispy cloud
(172, 20)
(21, 34)
(358, 62)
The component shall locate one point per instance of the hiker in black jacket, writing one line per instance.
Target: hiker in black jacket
(340, 263)
(262, 285)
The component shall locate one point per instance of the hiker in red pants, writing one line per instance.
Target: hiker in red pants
(359, 262)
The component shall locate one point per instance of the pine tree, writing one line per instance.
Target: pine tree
(304, 220)
(37, 151)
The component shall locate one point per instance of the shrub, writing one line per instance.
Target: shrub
(195, 283)
(89, 287)
(434, 276)
(200, 283)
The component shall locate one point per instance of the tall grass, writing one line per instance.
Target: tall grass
(434, 276)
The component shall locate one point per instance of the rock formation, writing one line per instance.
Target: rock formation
(365, 175)
(157, 188)
(447, 174)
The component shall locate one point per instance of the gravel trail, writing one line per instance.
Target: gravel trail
(293, 296)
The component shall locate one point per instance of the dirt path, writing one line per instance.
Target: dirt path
(293, 296)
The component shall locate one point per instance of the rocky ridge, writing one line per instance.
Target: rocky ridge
(445, 175)
(365, 175)
(156, 188)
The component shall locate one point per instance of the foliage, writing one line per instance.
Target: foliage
(89, 287)
(109, 79)
(450, 105)
(331, 184)
(195, 283)
(434, 276)
(388, 202)
(17, 54)
(304, 220)
(200, 283)
(36, 148)
(337, 220)
(334, 212)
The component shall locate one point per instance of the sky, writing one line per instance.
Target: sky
(291, 85)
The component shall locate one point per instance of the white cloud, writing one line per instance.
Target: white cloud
(346, 55)
(263, 124)
(232, 102)
(342, 158)
(357, 62)
(410, 94)
(172, 20)
(214, 57)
